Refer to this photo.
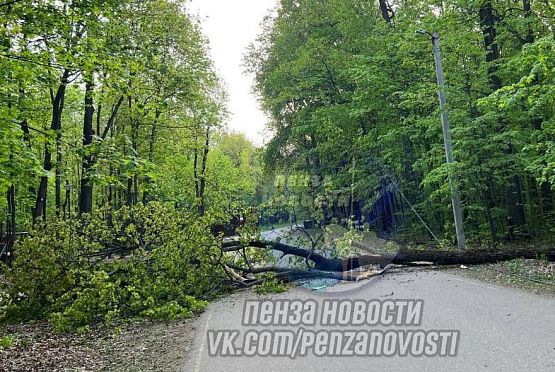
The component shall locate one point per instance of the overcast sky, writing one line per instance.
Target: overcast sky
(231, 25)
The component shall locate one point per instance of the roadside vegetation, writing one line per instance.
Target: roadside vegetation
(115, 164)
(534, 276)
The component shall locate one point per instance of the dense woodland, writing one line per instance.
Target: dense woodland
(116, 162)
(111, 103)
(351, 90)
(112, 134)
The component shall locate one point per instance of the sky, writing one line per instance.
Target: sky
(231, 25)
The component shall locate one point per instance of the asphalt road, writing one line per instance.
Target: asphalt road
(501, 329)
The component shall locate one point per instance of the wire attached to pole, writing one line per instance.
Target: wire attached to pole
(393, 180)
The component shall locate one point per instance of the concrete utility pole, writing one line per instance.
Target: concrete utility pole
(455, 196)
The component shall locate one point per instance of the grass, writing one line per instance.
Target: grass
(536, 276)
(7, 341)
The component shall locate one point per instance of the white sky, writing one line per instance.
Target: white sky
(231, 25)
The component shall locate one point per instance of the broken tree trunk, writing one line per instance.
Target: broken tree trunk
(403, 257)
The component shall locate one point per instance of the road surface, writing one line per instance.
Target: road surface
(501, 329)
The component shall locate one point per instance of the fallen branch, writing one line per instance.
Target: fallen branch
(296, 274)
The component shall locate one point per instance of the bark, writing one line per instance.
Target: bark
(26, 133)
(132, 182)
(58, 180)
(387, 12)
(135, 189)
(200, 174)
(403, 257)
(129, 191)
(67, 201)
(527, 7)
(56, 125)
(10, 220)
(86, 196)
(152, 141)
(112, 118)
(489, 32)
(516, 216)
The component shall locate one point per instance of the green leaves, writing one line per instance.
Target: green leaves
(56, 274)
(343, 86)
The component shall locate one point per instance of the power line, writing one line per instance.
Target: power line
(385, 172)
(417, 214)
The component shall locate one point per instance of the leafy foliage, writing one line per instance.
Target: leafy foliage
(58, 272)
(352, 98)
(112, 136)
(271, 284)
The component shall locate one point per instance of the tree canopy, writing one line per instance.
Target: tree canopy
(351, 91)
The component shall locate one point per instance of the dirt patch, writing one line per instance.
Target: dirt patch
(136, 346)
(151, 347)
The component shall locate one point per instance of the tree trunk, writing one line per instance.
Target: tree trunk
(403, 257)
(200, 177)
(129, 192)
(59, 165)
(152, 141)
(86, 194)
(527, 7)
(516, 215)
(56, 125)
(10, 219)
(387, 12)
(489, 31)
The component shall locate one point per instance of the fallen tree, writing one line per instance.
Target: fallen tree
(341, 268)
(350, 268)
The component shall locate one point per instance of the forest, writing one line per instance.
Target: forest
(117, 169)
(350, 86)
